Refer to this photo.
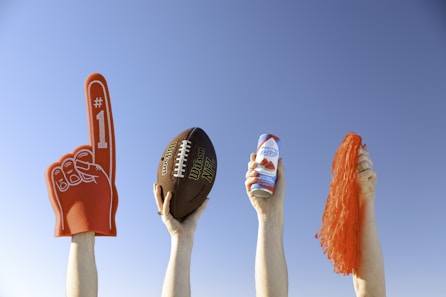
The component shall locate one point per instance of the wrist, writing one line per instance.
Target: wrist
(270, 230)
(184, 241)
(181, 249)
(271, 217)
(83, 244)
(367, 210)
(84, 238)
(366, 201)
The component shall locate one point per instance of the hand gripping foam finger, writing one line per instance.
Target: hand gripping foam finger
(81, 185)
(187, 169)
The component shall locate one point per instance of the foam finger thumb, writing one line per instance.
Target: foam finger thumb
(88, 168)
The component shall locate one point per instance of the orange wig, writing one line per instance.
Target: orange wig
(340, 222)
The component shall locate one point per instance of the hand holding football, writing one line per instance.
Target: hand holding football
(187, 168)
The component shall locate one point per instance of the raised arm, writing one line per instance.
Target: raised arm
(82, 275)
(177, 277)
(369, 280)
(82, 191)
(271, 275)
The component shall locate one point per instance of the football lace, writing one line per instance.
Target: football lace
(182, 158)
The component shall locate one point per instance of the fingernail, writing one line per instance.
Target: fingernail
(82, 164)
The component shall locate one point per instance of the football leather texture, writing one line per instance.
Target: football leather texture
(187, 169)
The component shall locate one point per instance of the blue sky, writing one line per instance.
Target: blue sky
(307, 71)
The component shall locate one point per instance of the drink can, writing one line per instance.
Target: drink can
(267, 158)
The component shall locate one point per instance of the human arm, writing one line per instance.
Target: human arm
(82, 276)
(177, 277)
(369, 279)
(271, 275)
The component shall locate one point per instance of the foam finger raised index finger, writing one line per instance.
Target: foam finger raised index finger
(100, 121)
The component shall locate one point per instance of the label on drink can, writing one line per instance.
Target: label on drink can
(267, 158)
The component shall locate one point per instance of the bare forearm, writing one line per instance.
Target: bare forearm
(82, 278)
(271, 272)
(369, 280)
(177, 278)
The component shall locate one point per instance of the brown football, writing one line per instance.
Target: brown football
(187, 168)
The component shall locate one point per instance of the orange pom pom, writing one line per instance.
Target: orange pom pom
(340, 222)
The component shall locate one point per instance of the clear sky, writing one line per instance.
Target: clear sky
(307, 71)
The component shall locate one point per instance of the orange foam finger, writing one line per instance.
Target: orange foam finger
(81, 185)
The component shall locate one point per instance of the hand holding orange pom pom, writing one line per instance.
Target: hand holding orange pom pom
(366, 175)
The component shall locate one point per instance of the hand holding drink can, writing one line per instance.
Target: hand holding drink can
(267, 158)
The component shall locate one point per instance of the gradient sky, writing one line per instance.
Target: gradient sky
(307, 71)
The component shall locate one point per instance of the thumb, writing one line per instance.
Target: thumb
(88, 168)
